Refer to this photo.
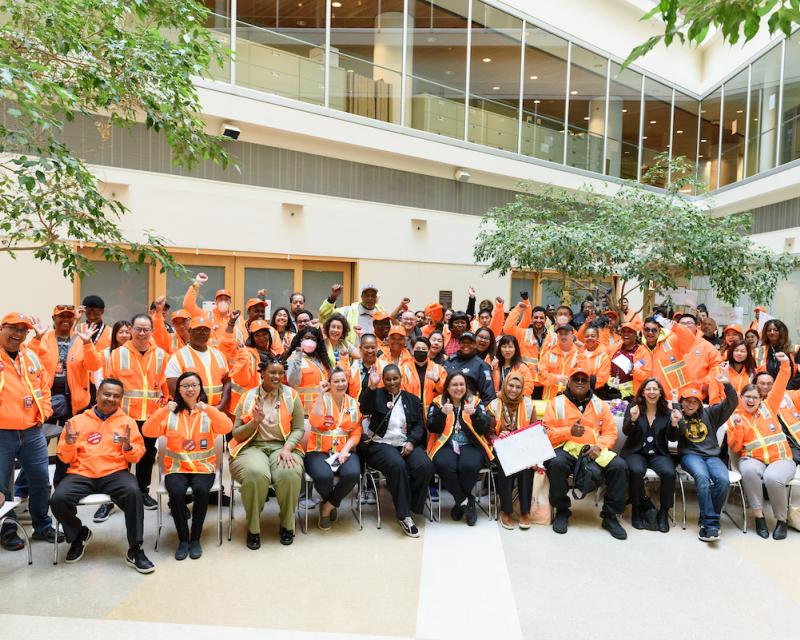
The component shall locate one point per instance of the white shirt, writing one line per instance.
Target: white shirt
(397, 429)
(174, 368)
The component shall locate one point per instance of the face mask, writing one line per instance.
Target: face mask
(420, 356)
(308, 345)
(223, 307)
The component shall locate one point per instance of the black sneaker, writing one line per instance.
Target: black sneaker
(709, 534)
(409, 528)
(195, 550)
(253, 541)
(703, 534)
(780, 531)
(472, 514)
(148, 502)
(561, 520)
(286, 537)
(457, 512)
(12, 542)
(612, 525)
(48, 535)
(139, 561)
(182, 551)
(761, 527)
(103, 513)
(78, 545)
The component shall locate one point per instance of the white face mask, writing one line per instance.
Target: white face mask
(308, 346)
(223, 306)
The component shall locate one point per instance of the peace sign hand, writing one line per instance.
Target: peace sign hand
(125, 440)
(71, 436)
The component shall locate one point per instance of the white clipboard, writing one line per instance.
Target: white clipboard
(524, 448)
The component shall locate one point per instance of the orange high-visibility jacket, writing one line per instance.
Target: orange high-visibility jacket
(213, 378)
(199, 427)
(599, 365)
(496, 323)
(789, 413)
(331, 430)
(555, 362)
(411, 382)
(143, 376)
(79, 367)
(665, 362)
(219, 321)
(761, 436)
(702, 360)
(98, 453)
(522, 370)
(288, 397)
(24, 390)
(526, 411)
(634, 319)
(523, 332)
(739, 380)
(597, 420)
(169, 342)
(437, 440)
(608, 339)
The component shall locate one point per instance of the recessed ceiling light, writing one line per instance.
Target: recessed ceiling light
(534, 77)
(495, 88)
(574, 92)
(644, 137)
(652, 122)
(448, 73)
(585, 117)
(700, 156)
(431, 39)
(702, 110)
(487, 59)
(336, 4)
(301, 23)
(703, 140)
(537, 101)
(624, 111)
(739, 111)
(679, 131)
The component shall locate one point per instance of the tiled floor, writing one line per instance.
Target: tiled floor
(453, 582)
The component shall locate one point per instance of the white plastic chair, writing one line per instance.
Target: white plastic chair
(794, 482)
(92, 500)
(5, 513)
(161, 445)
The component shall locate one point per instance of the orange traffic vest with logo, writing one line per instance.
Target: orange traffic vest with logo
(665, 362)
(212, 378)
(24, 390)
(760, 356)
(760, 436)
(311, 374)
(597, 420)
(437, 441)
(143, 377)
(285, 406)
(244, 374)
(78, 366)
(790, 416)
(523, 418)
(330, 431)
(411, 382)
(554, 362)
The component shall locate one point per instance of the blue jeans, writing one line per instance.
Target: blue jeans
(30, 448)
(711, 483)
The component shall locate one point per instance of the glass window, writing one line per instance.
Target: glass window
(317, 286)
(764, 86)
(684, 131)
(176, 287)
(436, 65)
(587, 109)
(655, 128)
(552, 291)
(494, 78)
(124, 292)
(734, 114)
(707, 158)
(624, 106)
(279, 284)
(218, 22)
(518, 285)
(280, 48)
(367, 58)
(790, 126)
(544, 88)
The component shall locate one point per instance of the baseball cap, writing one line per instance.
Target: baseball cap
(611, 313)
(435, 311)
(565, 327)
(369, 286)
(733, 327)
(397, 331)
(258, 325)
(378, 315)
(764, 309)
(628, 326)
(691, 390)
(581, 368)
(64, 309)
(222, 292)
(15, 317)
(181, 313)
(254, 302)
(467, 335)
(199, 322)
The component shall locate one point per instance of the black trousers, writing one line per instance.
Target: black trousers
(144, 468)
(505, 487)
(459, 472)
(663, 466)
(324, 476)
(407, 478)
(176, 485)
(124, 492)
(615, 475)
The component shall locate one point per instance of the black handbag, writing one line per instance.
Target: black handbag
(586, 477)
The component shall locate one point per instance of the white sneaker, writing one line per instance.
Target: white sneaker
(409, 528)
(306, 503)
(368, 497)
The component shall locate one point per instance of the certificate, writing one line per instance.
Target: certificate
(523, 448)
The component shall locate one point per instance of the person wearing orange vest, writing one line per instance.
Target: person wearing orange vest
(629, 315)
(246, 358)
(190, 426)
(99, 445)
(663, 354)
(24, 406)
(623, 363)
(170, 342)
(396, 352)
(558, 362)
(597, 360)
(756, 317)
(789, 414)
(222, 307)
(256, 309)
(755, 433)
(491, 316)
(457, 443)
(533, 340)
(509, 360)
(425, 378)
(265, 450)
(330, 450)
(142, 367)
(577, 421)
(307, 365)
(507, 413)
(434, 314)
(608, 336)
(702, 359)
(739, 367)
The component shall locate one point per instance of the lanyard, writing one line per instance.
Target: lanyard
(209, 380)
(190, 429)
(137, 358)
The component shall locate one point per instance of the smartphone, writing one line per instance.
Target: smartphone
(523, 295)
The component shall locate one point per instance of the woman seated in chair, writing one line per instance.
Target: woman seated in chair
(513, 410)
(645, 425)
(335, 432)
(457, 444)
(191, 426)
(755, 433)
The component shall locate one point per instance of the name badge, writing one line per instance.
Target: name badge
(204, 444)
(116, 438)
(772, 427)
(328, 421)
(27, 401)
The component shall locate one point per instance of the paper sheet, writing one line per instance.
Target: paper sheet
(623, 363)
(524, 448)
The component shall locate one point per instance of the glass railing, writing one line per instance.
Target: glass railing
(364, 88)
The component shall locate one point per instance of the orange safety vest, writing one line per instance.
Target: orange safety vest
(285, 406)
(342, 425)
(24, 391)
(761, 438)
(522, 370)
(77, 366)
(212, 378)
(555, 362)
(244, 374)
(597, 419)
(311, 374)
(599, 365)
(142, 377)
(790, 416)
(524, 412)
(437, 441)
(204, 460)
(411, 383)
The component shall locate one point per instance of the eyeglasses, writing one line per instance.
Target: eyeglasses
(65, 307)
(753, 398)
(141, 329)
(651, 330)
(192, 385)
(16, 328)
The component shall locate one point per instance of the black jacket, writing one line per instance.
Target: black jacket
(480, 422)
(637, 432)
(373, 403)
(699, 433)
(477, 372)
(773, 365)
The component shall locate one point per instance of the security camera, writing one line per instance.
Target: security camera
(230, 131)
(462, 176)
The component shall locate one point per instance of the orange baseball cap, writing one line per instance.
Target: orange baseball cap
(629, 326)
(691, 390)
(611, 313)
(222, 292)
(15, 317)
(764, 309)
(253, 302)
(435, 311)
(397, 331)
(181, 313)
(63, 309)
(733, 327)
(258, 325)
(378, 315)
(199, 322)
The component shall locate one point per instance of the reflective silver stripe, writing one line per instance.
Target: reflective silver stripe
(765, 442)
(124, 359)
(146, 393)
(190, 456)
(172, 421)
(205, 423)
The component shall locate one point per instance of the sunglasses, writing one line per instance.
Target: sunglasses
(64, 307)
(651, 330)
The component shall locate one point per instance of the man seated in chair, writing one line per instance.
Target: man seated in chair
(99, 445)
(573, 420)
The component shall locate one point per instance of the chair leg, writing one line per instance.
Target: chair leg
(55, 544)
(439, 504)
(21, 529)
(230, 511)
(375, 484)
(683, 501)
(744, 509)
(158, 520)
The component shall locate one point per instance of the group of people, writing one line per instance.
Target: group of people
(409, 394)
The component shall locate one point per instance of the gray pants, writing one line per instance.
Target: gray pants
(774, 476)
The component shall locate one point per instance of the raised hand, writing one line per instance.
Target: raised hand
(374, 378)
(469, 409)
(87, 333)
(634, 413)
(405, 302)
(676, 416)
(780, 356)
(447, 408)
(201, 406)
(201, 278)
(359, 330)
(234, 317)
(39, 328)
(70, 436)
(159, 303)
(324, 386)
(471, 292)
(336, 291)
(258, 412)
(125, 440)
(499, 300)
(172, 405)
(261, 294)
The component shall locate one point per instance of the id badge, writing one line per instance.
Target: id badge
(27, 401)
(116, 438)
(204, 444)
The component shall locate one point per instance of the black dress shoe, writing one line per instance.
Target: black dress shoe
(761, 528)
(457, 512)
(182, 551)
(472, 514)
(287, 537)
(780, 531)
(636, 519)
(561, 520)
(195, 549)
(253, 541)
(663, 521)
(611, 524)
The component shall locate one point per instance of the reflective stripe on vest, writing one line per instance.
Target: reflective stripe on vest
(790, 418)
(436, 442)
(199, 461)
(248, 402)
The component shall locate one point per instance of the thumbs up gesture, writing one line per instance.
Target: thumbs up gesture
(447, 408)
(71, 435)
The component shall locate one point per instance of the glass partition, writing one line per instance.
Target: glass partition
(587, 110)
(708, 156)
(734, 119)
(764, 96)
(218, 22)
(655, 127)
(624, 107)
(684, 132)
(790, 125)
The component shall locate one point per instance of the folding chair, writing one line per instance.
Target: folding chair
(355, 502)
(161, 445)
(5, 514)
(374, 477)
(491, 509)
(92, 500)
(794, 482)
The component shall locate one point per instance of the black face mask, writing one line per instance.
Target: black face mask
(420, 356)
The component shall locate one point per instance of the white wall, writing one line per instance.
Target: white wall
(33, 287)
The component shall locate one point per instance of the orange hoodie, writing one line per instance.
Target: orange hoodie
(24, 392)
(79, 366)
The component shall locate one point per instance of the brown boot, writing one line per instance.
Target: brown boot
(506, 521)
